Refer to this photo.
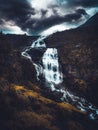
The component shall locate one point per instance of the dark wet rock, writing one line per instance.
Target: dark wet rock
(36, 54)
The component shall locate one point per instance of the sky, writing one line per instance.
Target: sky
(44, 17)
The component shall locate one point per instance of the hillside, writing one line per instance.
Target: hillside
(26, 104)
(87, 32)
(92, 22)
(78, 52)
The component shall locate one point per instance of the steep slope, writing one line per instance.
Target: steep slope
(24, 108)
(87, 31)
(23, 105)
(78, 52)
(92, 22)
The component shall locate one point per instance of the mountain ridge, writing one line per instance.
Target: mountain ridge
(60, 38)
(92, 22)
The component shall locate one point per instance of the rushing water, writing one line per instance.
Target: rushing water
(51, 67)
(51, 71)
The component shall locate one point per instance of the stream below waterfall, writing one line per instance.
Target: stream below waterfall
(51, 71)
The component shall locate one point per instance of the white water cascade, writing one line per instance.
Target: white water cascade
(51, 67)
(51, 71)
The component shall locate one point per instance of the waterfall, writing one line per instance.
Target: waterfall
(51, 71)
(51, 67)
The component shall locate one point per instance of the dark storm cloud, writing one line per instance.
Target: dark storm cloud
(90, 3)
(34, 20)
(16, 10)
(1, 22)
(45, 23)
(81, 11)
(85, 3)
(54, 20)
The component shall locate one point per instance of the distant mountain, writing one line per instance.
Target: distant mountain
(85, 31)
(92, 22)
